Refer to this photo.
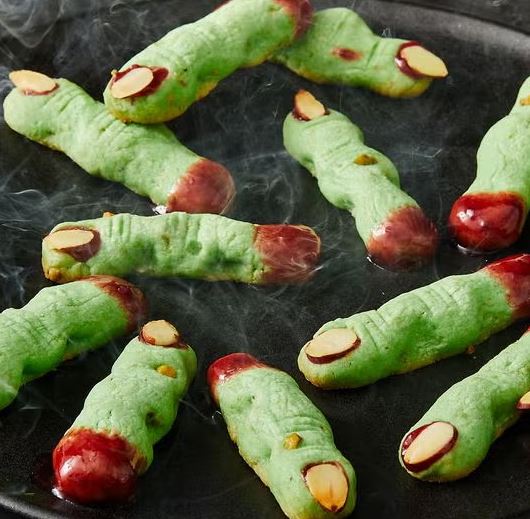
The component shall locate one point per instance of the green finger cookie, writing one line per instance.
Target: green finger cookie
(340, 48)
(111, 442)
(419, 327)
(361, 180)
(162, 81)
(179, 244)
(148, 160)
(60, 323)
(283, 437)
(490, 215)
(455, 434)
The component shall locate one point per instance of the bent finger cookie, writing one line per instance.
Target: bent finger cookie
(419, 327)
(283, 437)
(163, 80)
(148, 160)
(340, 48)
(179, 244)
(111, 442)
(455, 434)
(490, 215)
(60, 323)
(357, 178)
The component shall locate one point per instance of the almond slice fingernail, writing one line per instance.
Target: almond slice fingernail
(81, 244)
(427, 444)
(423, 62)
(331, 345)
(524, 402)
(31, 82)
(69, 238)
(328, 484)
(132, 82)
(159, 333)
(307, 107)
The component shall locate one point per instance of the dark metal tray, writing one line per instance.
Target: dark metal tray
(197, 472)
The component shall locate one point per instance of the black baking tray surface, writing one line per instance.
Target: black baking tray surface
(197, 472)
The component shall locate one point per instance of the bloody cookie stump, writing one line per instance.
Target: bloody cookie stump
(490, 215)
(93, 467)
(455, 434)
(60, 323)
(289, 252)
(206, 187)
(202, 246)
(405, 241)
(238, 34)
(340, 48)
(487, 222)
(357, 178)
(439, 320)
(148, 160)
(111, 441)
(283, 437)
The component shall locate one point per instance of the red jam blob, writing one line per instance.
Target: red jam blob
(407, 240)
(425, 464)
(128, 296)
(94, 467)
(514, 274)
(207, 187)
(347, 54)
(402, 62)
(301, 11)
(289, 252)
(485, 222)
(228, 366)
(159, 74)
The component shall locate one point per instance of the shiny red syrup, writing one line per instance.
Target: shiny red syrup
(92, 467)
(486, 222)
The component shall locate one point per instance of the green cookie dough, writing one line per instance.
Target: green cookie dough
(479, 408)
(201, 246)
(148, 160)
(282, 436)
(188, 62)
(340, 48)
(419, 327)
(361, 180)
(490, 215)
(134, 407)
(60, 323)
